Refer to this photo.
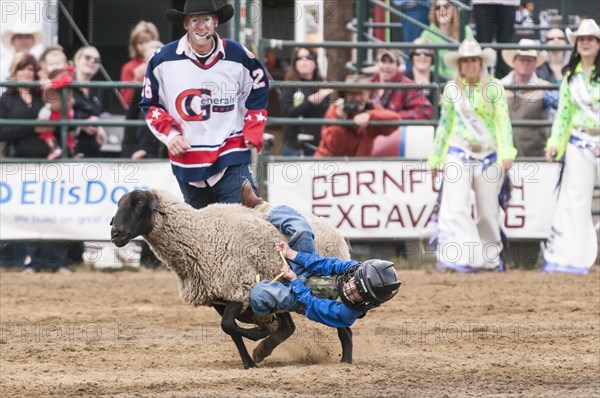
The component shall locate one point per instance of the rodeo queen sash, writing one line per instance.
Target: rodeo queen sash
(582, 97)
(474, 124)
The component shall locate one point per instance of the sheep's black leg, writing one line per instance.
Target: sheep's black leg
(345, 335)
(230, 327)
(286, 329)
(239, 343)
(232, 310)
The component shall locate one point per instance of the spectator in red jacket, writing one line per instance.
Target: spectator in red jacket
(354, 140)
(56, 73)
(141, 34)
(409, 104)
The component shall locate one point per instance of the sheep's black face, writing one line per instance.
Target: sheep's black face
(134, 216)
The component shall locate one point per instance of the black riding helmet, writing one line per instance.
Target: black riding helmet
(376, 281)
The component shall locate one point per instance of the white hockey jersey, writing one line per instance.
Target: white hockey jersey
(217, 106)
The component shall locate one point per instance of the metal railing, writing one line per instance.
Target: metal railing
(65, 123)
(264, 43)
(435, 47)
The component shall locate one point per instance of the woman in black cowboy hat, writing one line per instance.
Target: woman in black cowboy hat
(206, 99)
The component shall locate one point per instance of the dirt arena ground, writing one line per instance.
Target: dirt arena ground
(126, 334)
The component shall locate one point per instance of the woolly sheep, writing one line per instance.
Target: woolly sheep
(217, 253)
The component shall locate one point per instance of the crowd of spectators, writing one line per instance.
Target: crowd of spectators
(55, 72)
(493, 21)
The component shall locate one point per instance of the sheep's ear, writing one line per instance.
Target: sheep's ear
(155, 206)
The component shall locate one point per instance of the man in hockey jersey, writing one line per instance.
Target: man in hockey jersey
(206, 99)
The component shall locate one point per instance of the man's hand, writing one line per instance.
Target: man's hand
(506, 164)
(288, 273)
(286, 250)
(550, 154)
(249, 144)
(362, 119)
(178, 145)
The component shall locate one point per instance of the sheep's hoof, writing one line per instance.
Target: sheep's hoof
(259, 354)
(249, 365)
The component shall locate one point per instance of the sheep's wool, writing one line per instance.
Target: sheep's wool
(218, 251)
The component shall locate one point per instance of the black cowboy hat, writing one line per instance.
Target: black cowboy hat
(193, 7)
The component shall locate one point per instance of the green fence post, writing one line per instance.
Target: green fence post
(565, 10)
(262, 51)
(249, 23)
(464, 16)
(236, 20)
(64, 129)
(361, 18)
(436, 74)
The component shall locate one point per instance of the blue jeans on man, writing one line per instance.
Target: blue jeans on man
(227, 190)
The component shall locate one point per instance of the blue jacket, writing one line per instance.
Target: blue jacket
(325, 311)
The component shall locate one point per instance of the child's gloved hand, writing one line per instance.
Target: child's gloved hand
(44, 113)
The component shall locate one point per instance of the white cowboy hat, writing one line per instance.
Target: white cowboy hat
(509, 55)
(470, 48)
(21, 29)
(587, 27)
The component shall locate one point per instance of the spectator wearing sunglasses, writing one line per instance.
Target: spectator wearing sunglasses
(305, 102)
(408, 103)
(556, 60)
(444, 19)
(88, 103)
(421, 71)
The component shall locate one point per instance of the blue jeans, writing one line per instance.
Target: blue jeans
(227, 190)
(290, 151)
(266, 296)
(418, 10)
(302, 238)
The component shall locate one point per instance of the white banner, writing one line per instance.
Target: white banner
(364, 199)
(395, 199)
(71, 201)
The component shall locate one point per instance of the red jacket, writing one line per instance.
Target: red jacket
(128, 75)
(353, 141)
(410, 104)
